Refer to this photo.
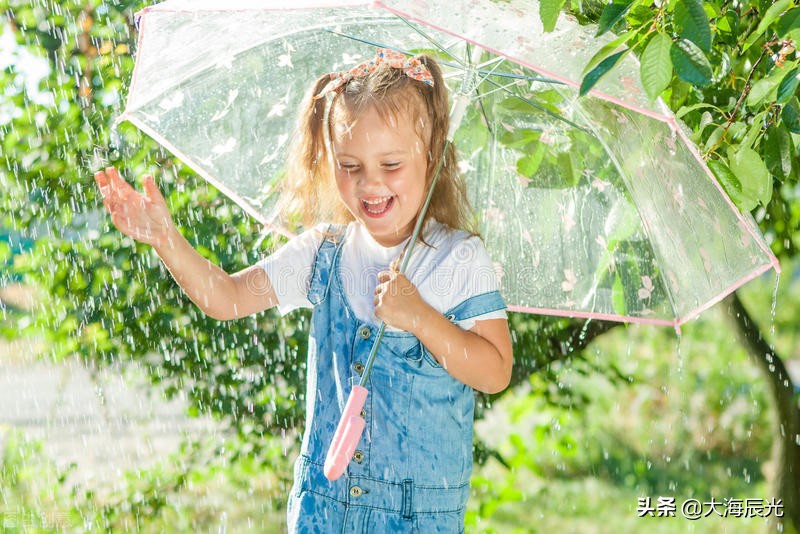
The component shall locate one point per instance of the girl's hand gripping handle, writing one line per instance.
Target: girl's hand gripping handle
(347, 435)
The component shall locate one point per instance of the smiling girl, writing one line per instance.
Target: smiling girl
(369, 144)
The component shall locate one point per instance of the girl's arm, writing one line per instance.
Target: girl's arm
(480, 358)
(147, 219)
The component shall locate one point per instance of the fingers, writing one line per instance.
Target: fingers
(152, 191)
(107, 180)
(119, 186)
(385, 276)
(106, 191)
(117, 196)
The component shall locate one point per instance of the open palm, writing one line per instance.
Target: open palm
(142, 217)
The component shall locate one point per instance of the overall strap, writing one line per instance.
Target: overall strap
(476, 305)
(324, 264)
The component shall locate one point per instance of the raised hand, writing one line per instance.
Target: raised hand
(142, 217)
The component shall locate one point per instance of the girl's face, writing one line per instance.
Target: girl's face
(380, 169)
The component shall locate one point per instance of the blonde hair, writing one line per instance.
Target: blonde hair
(310, 184)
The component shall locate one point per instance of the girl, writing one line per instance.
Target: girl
(375, 137)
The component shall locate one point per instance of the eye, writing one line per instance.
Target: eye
(347, 166)
(391, 165)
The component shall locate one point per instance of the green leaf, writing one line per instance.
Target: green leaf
(529, 164)
(607, 50)
(692, 23)
(752, 173)
(639, 16)
(756, 125)
(728, 23)
(690, 63)
(788, 22)
(569, 172)
(769, 17)
(721, 62)
(788, 85)
(656, 65)
(700, 105)
(766, 88)
(731, 185)
(778, 151)
(548, 13)
(612, 14)
(790, 116)
(591, 79)
(518, 138)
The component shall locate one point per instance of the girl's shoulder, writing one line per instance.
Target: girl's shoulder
(451, 239)
(453, 247)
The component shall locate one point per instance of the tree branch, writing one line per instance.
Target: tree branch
(786, 440)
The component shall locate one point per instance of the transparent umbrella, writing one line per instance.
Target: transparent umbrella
(596, 206)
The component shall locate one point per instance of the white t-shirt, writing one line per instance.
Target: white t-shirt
(454, 269)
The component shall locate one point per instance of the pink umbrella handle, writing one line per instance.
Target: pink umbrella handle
(347, 435)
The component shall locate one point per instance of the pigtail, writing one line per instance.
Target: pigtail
(309, 184)
(450, 203)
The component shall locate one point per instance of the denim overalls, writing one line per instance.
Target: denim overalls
(411, 470)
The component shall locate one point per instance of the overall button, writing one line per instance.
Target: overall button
(358, 456)
(364, 332)
(363, 413)
(356, 491)
(358, 367)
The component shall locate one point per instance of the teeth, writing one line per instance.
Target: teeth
(377, 201)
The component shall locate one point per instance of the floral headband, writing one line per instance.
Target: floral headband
(412, 67)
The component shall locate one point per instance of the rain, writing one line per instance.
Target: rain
(642, 229)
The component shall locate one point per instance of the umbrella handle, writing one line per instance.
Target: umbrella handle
(347, 435)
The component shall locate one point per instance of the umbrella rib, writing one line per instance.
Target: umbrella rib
(432, 41)
(500, 88)
(498, 60)
(483, 111)
(540, 108)
(447, 63)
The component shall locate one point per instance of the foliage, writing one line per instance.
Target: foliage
(200, 487)
(730, 71)
(105, 297)
(687, 424)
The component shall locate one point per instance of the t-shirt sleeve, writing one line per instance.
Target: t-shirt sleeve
(475, 276)
(289, 269)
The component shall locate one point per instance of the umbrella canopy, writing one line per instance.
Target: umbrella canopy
(596, 206)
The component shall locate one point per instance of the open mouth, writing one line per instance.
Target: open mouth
(377, 207)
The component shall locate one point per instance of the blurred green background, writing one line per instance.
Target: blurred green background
(598, 419)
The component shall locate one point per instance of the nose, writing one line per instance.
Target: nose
(371, 178)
